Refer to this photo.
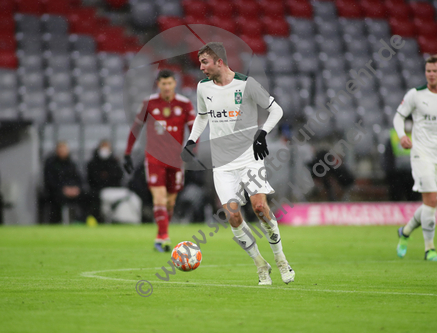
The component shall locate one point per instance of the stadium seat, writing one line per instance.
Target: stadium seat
(7, 7)
(59, 63)
(378, 28)
(82, 45)
(30, 7)
(331, 47)
(349, 9)
(116, 4)
(325, 10)
(195, 8)
(168, 22)
(90, 115)
(306, 47)
(113, 83)
(86, 63)
(54, 24)
(280, 64)
(93, 134)
(8, 99)
(334, 64)
(31, 82)
(88, 81)
(428, 44)
(397, 9)
(110, 39)
(272, 9)
(373, 9)
(415, 79)
(352, 27)
(345, 119)
(422, 10)
(121, 133)
(28, 24)
(302, 27)
(328, 30)
(83, 21)
(144, 14)
(425, 28)
(278, 45)
(57, 7)
(306, 63)
(249, 26)
(56, 44)
(247, 8)
(112, 63)
(196, 19)
(221, 8)
(8, 80)
(8, 59)
(301, 9)
(7, 23)
(413, 64)
(71, 133)
(170, 8)
(275, 26)
(227, 23)
(60, 81)
(31, 63)
(256, 44)
(404, 28)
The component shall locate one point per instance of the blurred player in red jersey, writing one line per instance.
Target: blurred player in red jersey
(166, 113)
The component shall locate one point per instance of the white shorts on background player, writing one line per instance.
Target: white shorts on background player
(228, 183)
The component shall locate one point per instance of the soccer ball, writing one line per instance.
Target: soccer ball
(186, 256)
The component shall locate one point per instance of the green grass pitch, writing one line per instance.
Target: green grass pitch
(80, 279)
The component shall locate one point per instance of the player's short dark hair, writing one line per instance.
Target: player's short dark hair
(216, 50)
(164, 74)
(432, 59)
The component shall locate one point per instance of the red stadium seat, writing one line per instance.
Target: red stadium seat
(7, 7)
(110, 39)
(274, 9)
(257, 44)
(373, 9)
(224, 23)
(196, 19)
(189, 81)
(30, 7)
(349, 9)
(116, 4)
(275, 26)
(404, 28)
(249, 26)
(60, 7)
(8, 59)
(397, 8)
(7, 23)
(195, 8)
(299, 8)
(221, 8)
(422, 10)
(247, 8)
(168, 22)
(425, 28)
(7, 41)
(83, 21)
(427, 44)
(235, 63)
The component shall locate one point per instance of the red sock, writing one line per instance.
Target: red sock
(161, 218)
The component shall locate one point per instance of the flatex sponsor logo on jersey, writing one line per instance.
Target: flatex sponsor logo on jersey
(430, 117)
(224, 114)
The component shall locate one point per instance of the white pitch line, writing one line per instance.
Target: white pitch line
(93, 274)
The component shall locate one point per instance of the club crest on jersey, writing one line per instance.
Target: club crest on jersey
(166, 112)
(155, 111)
(238, 97)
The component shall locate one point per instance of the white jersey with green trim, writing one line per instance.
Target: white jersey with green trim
(233, 119)
(422, 104)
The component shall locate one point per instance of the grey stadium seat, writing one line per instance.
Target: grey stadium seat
(345, 119)
(92, 115)
(328, 29)
(92, 135)
(115, 100)
(358, 47)
(391, 81)
(303, 46)
(121, 133)
(112, 63)
(413, 80)
(306, 63)
(56, 44)
(8, 79)
(31, 63)
(393, 99)
(353, 28)
(59, 63)
(113, 82)
(64, 115)
(378, 28)
(90, 99)
(32, 82)
(88, 81)
(86, 63)
(28, 24)
(170, 8)
(278, 45)
(280, 64)
(60, 81)
(286, 82)
(8, 102)
(410, 48)
(54, 24)
(332, 47)
(82, 44)
(302, 27)
(144, 14)
(325, 10)
(61, 100)
(29, 44)
(71, 133)
(413, 64)
(116, 116)
(371, 117)
(48, 140)
(335, 64)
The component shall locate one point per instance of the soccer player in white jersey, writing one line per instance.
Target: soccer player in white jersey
(421, 102)
(228, 101)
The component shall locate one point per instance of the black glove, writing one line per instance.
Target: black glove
(128, 164)
(187, 153)
(260, 145)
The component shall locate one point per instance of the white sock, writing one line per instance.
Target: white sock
(413, 223)
(274, 237)
(243, 236)
(427, 218)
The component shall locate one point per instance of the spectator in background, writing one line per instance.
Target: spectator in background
(63, 184)
(103, 170)
(397, 167)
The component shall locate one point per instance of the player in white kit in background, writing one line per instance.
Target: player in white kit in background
(228, 101)
(421, 102)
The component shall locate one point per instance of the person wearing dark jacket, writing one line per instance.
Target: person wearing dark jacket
(63, 184)
(103, 170)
